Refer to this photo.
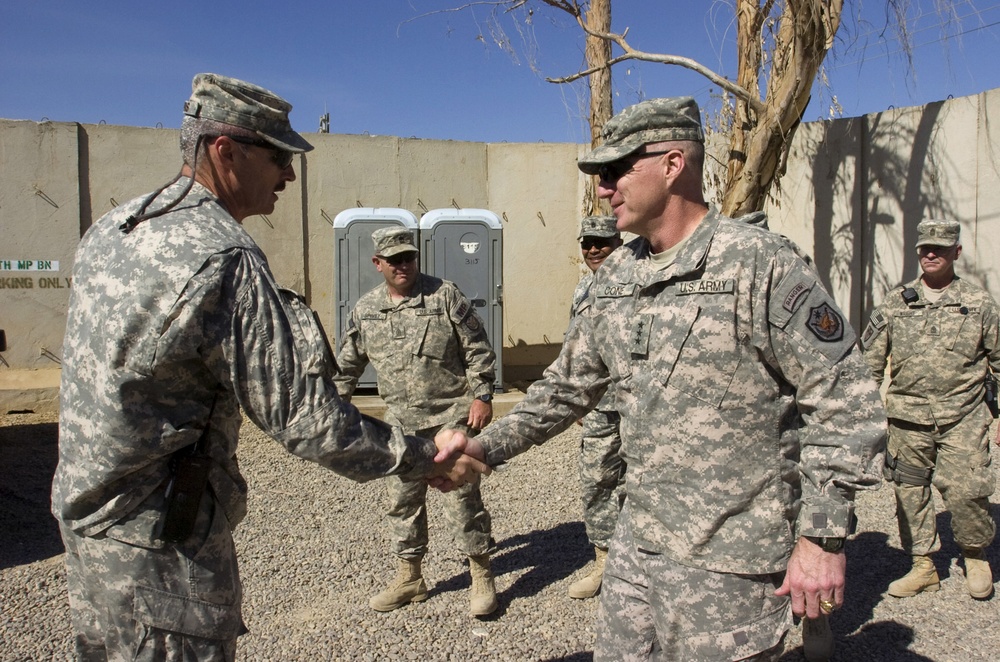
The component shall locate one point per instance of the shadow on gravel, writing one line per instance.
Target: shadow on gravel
(885, 641)
(28, 456)
(575, 657)
(548, 555)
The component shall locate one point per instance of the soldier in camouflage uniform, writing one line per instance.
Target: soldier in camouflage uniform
(748, 417)
(435, 370)
(175, 323)
(939, 335)
(602, 472)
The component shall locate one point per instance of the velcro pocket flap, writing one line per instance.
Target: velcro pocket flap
(177, 613)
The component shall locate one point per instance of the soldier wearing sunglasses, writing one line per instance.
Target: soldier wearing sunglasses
(748, 417)
(435, 370)
(175, 327)
(602, 472)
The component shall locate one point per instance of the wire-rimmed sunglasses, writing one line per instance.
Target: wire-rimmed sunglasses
(612, 172)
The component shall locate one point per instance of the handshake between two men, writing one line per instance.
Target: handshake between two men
(460, 460)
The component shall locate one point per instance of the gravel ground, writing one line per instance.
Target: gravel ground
(313, 550)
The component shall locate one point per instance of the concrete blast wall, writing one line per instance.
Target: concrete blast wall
(853, 194)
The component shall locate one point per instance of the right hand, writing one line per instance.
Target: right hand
(460, 461)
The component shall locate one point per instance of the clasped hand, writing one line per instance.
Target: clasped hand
(460, 460)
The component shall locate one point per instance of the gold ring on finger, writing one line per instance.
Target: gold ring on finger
(827, 606)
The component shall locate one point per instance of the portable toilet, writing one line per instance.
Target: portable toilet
(465, 246)
(356, 275)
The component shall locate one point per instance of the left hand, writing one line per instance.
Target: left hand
(480, 414)
(813, 575)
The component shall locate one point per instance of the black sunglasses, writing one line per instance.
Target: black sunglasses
(401, 258)
(282, 158)
(594, 242)
(612, 172)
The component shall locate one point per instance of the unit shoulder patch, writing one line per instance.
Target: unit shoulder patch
(825, 323)
(876, 323)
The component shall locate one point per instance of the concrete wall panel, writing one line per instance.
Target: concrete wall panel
(535, 190)
(40, 228)
(853, 194)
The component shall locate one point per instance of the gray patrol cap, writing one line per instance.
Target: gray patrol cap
(245, 105)
(937, 232)
(599, 226)
(650, 121)
(393, 240)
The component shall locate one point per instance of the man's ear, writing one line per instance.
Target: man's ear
(223, 147)
(675, 163)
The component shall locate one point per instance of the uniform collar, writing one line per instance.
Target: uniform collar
(690, 260)
(415, 300)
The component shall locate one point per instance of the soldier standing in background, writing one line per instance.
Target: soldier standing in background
(175, 324)
(435, 370)
(939, 335)
(602, 472)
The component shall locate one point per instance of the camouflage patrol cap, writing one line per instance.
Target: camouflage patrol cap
(937, 232)
(598, 226)
(245, 105)
(650, 121)
(393, 240)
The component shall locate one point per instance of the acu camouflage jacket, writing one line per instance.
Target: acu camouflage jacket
(938, 353)
(748, 416)
(165, 320)
(430, 352)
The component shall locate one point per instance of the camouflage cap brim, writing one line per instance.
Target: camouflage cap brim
(605, 154)
(396, 250)
(290, 141)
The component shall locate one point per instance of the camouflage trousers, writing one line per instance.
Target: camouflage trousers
(653, 608)
(466, 515)
(129, 601)
(959, 454)
(602, 475)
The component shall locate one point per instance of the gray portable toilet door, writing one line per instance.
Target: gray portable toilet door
(356, 275)
(465, 247)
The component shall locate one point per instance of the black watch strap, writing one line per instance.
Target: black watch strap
(828, 544)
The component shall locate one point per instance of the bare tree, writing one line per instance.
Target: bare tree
(781, 47)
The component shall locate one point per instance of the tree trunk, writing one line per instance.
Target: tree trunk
(598, 52)
(759, 143)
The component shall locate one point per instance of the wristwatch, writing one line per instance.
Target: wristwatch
(828, 544)
(486, 397)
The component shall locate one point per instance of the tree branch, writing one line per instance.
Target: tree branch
(632, 54)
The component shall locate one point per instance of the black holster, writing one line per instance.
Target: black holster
(905, 474)
(189, 478)
(991, 394)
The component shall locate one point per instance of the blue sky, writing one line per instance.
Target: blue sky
(394, 67)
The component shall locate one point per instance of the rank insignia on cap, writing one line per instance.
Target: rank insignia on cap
(825, 323)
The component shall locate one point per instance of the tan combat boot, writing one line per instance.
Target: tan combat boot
(978, 577)
(408, 586)
(589, 585)
(922, 577)
(484, 591)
